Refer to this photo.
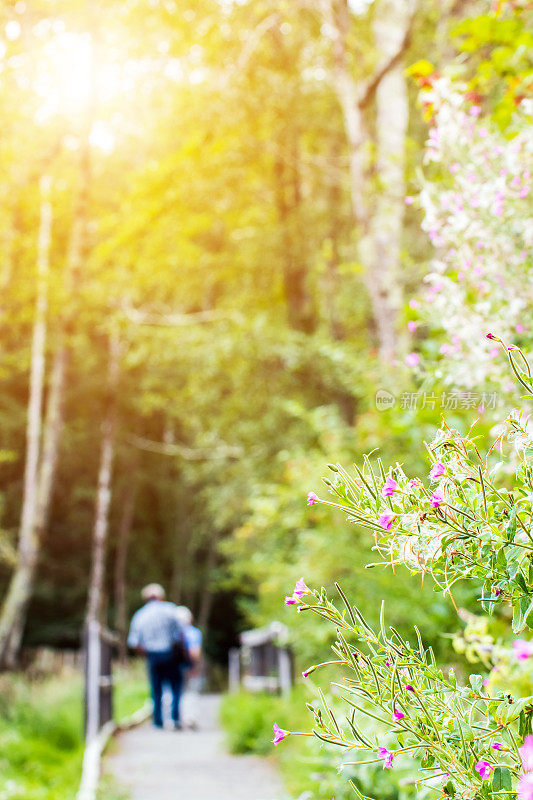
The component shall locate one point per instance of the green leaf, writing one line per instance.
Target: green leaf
(501, 779)
(522, 608)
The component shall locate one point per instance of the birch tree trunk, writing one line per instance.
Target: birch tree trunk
(378, 211)
(19, 591)
(121, 560)
(392, 117)
(103, 496)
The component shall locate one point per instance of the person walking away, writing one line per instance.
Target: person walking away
(192, 674)
(155, 631)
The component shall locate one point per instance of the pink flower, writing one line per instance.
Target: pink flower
(493, 352)
(520, 328)
(525, 786)
(475, 111)
(290, 601)
(411, 326)
(522, 650)
(412, 359)
(524, 191)
(446, 349)
(389, 487)
(436, 500)
(526, 754)
(490, 336)
(414, 304)
(308, 671)
(414, 482)
(409, 687)
(408, 200)
(484, 769)
(386, 521)
(388, 663)
(300, 588)
(496, 745)
(279, 734)
(437, 470)
(387, 757)
(312, 499)
(396, 715)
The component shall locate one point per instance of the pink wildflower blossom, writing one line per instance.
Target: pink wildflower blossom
(525, 787)
(437, 470)
(412, 326)
(526, 754)
(300, 588)
(279, 734)
(387, 757)
(386, 521)
(475, 111)
(436, 500)
(412, 359)
(522, 650)
(414, 304)
(312, 499)
(496, 745)
(408, 200)
(519, 328)
(484, 769)
(290, 601)
(409, 687)
(396, 715)
(389, 487)
(446, 349)
(414, 482)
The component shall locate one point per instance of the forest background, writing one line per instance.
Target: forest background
(208, 245)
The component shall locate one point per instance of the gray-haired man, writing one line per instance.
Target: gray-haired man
(156, 632)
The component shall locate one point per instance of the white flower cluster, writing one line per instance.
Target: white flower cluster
(478, 214)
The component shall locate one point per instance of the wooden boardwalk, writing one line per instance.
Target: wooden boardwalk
(157, 764)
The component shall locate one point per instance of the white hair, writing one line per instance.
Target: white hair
(184, 615)
(154, 591)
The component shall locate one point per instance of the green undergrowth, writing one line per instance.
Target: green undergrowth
(310, 769)
(41, 744)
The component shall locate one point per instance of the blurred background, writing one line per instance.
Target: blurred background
(214, 281)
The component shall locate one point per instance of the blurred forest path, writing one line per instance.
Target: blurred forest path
(192, 765)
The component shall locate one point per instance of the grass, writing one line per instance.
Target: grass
(309, 767)
(41, 744)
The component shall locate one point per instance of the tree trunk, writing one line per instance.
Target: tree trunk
(288, 195)
(121, 560)
(103, 496)
(386, 220)
(14, 607)
(377, 231)
(206, 596)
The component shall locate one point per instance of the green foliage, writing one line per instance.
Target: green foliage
(247, 720)
(41, 725)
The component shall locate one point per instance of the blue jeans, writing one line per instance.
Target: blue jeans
(163, 669)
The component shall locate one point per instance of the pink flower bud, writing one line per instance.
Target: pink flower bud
(279, 734)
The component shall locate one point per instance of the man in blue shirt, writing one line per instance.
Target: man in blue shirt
(156, 632)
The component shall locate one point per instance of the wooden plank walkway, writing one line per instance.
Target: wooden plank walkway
(157, 764)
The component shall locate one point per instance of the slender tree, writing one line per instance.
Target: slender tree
(19, 592)
(103, 495)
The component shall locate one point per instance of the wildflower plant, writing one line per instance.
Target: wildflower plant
(477, 203)
(457, 523)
